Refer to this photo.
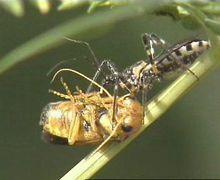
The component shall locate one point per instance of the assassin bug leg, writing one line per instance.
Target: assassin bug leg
(105, 63)
(150, 40)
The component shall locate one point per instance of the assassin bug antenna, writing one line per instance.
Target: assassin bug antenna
(96, 61)
(58, 64)
(54, 67)
(89, 48)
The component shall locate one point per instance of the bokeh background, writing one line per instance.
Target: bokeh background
(183, 143)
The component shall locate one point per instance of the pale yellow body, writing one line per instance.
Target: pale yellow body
(88, 120)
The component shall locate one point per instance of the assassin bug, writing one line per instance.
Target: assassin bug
(86, 118)
(141, 75)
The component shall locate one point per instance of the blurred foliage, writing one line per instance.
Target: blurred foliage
(78, 26)
(192, 14)
(17, 7)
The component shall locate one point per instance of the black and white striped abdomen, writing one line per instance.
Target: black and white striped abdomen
(181, 55)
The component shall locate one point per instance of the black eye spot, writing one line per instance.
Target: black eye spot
(126, 128)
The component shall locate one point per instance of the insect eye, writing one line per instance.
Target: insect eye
(126, 128)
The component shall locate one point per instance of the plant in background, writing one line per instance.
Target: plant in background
(192, 14)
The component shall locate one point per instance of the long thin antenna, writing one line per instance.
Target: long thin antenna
(84, 76)
(97, 63)
(58, 64)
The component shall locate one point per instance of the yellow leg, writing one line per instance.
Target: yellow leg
(59, 94)
(74, 128)
(67, 90)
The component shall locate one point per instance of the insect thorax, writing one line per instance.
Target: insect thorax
(133, 78)
(139, 76)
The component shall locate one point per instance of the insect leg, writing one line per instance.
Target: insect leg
(114, 71)
(115, 79)
(115, 98)
(184, 67)
(147, 85)
(67, 90)
(180, 63)
(109, 64)
(143, 101)
(74, 128)
(149, 41)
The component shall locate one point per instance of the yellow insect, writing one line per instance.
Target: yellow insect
(87, 118)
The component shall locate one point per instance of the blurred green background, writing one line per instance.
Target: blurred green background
(184, 143)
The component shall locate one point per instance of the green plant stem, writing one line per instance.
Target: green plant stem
(88, 166)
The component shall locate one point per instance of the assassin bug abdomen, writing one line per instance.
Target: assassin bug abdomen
(180, 56)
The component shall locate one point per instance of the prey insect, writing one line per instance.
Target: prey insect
(86, 118)
(141, 76)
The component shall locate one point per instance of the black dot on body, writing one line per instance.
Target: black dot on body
(200, 43)
(189, 47)
(126, 128)
(178, 53)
